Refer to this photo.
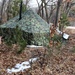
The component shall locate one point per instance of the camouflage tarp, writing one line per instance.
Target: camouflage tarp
(31, 23)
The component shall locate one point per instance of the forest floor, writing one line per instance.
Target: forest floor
(52, 61)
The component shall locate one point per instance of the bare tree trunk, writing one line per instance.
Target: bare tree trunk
(46, 11)
(8, 9)
(39, 8)
(51, 12)
(3, 2)
(42, 9)
(57, 12)
(26, 2)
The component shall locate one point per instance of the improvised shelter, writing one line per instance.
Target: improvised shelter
(35, 29)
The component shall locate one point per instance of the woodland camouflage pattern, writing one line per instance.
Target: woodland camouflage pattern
(31, 23)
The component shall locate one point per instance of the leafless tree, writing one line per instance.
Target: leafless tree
(45, 10)
(2, 7)
(8, 9)
(26, 2)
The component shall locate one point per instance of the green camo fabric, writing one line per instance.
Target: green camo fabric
(31, 23)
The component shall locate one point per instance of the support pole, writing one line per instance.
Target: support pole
(20, 13)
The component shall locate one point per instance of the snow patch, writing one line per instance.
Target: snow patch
(23, 66)
(33, 59)
(33, 46)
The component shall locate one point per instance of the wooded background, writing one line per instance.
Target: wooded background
(45, 8)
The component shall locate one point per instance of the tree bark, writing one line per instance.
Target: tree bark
(3, 3)
(57, 12)
(8, 9)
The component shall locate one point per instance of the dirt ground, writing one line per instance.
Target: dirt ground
(52, 61)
